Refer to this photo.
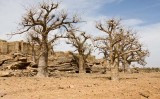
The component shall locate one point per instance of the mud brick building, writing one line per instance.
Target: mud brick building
(16, 46)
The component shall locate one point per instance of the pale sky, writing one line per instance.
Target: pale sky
(140, 15)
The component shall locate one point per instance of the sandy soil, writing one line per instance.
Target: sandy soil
(89, 86)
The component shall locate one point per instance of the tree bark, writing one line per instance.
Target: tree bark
(43, 59)
(114, 72)
(81, 64)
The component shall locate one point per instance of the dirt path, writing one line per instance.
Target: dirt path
(90, 86)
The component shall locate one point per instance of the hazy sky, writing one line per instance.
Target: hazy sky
(141, 15)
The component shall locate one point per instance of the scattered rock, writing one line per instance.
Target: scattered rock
(87, 85)
(60, 87)
(71, 86)
(145, 94)
(3, 94)
(5, 74)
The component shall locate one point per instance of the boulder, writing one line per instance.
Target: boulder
(18, 65)
(17, 54)
(12, 65)
(22, 59)
(5, 74)
(33, 64)
(4, 58)
(23, 65)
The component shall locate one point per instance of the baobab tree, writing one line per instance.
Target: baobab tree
(130, 43)
(120, 46)
(78, 40)
(44, 20)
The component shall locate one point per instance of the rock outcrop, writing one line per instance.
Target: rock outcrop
(17, 56)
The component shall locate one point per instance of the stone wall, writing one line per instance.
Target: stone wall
(16, 46)
(3, 47)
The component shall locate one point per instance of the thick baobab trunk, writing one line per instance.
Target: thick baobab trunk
(42, 65)
(43, 60)
(114, 72)
(81, 64)
(114, 66)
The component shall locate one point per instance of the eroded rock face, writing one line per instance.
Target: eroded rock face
(60, 61)
(18, 65)
(4, 58)
(18, 61)
(18, 55)
(64, 61)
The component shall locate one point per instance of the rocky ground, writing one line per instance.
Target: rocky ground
(89, 86)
